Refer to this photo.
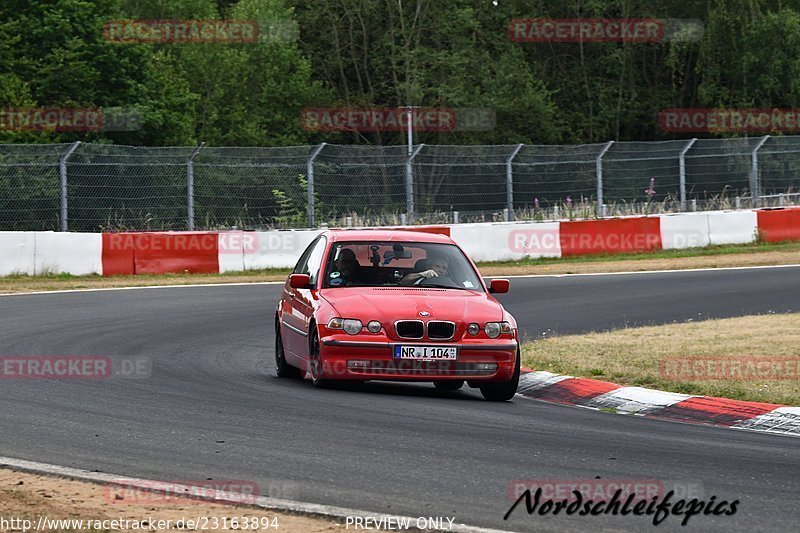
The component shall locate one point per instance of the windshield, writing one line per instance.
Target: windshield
(400, 264)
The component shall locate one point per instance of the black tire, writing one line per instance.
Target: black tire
(504, 391)
(282, 368)
(316, 372)
(449, 385)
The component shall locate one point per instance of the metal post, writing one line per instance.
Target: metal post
(409, 169)
(310, 181)
(410, 183)
(682, 171)
(190, 183)
(510, 182)
(62, 170)
(599, 169)
(755, 186)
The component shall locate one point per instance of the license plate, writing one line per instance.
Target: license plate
(426, 353)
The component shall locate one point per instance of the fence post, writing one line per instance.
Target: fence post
(310, 182)
(682, 171)
(510, 182)
(599, 170)
(755, 186)
(62, 170)
(410, 182)
(190, 183)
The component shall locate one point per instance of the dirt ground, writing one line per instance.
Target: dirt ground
(25, 496)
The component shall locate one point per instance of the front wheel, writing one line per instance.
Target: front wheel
(504, 391)
(315, 361)
(282, 368)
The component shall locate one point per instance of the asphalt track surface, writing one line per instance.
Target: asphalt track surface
(212, 407)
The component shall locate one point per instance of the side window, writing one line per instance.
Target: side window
(315, 259)
(302, 263)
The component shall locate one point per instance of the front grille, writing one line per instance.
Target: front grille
(409, 329)
(441, 330)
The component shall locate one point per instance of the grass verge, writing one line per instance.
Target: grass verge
(760, 254)
(659, 357)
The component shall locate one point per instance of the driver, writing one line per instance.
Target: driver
(437, 266)
(347, 266)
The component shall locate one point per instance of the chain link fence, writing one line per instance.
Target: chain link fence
(102, 187)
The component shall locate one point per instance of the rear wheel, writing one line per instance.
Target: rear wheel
(504, 391)
(315, 361)
(449, 385)
(282, 368)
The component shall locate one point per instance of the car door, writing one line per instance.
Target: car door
(300, 306)
(289, 323)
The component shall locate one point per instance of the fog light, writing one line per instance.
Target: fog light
(473, 329)
(486, 366)
(356, 363)
(374, 326)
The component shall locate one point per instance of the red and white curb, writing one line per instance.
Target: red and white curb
(706, 410)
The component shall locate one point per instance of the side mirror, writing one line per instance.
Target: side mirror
(499, 286)
(299, 281)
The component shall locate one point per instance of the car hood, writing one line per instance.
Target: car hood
(389, 304)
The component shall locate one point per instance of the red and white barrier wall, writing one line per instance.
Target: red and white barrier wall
(36, 253)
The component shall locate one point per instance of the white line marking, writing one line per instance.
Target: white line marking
(145, 287)
(326, 511)
(644, 272)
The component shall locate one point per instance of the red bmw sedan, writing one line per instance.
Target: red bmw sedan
(395, 305)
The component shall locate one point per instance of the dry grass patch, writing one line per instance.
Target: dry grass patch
(633, 356)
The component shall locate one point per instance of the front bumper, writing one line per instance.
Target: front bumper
(480, 361)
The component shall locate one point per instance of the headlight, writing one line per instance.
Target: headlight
(494, 329)
(374, 326)
(352, 326)
(474, 329)
(335, 323)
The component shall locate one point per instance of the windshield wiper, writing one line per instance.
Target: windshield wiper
(438, 286)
